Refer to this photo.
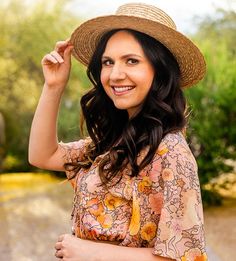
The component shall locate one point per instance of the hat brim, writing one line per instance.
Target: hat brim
(191, 61)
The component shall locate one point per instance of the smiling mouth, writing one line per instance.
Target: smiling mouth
(122, 89)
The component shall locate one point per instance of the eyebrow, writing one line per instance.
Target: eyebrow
(124, 56)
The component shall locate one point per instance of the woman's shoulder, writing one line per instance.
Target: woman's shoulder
(174, 139)
(174, 143)
(174, 155)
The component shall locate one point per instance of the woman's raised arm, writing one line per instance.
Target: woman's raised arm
(44, 151)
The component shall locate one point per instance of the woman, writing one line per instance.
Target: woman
(137, 194)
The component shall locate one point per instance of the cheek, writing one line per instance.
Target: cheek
(149, 76)
(143, 77)
(104, 77)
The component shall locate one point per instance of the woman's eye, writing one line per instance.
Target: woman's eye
(132, 61)
(107, 62)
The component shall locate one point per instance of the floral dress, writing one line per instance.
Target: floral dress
(161, 208)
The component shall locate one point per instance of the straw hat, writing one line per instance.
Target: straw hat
(147, 19)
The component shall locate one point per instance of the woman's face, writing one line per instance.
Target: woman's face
(126, 73)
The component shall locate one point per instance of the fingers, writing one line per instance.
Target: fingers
(61, 53)
(60, 238)
(62, 247)
(58, 246)
(64, 49)
(59, 254)
(57, 56)
(54, 57)
(61, 45)
(67, 54)
(51, 58)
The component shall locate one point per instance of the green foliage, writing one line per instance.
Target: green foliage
(27, 34)
(212, 131)
(11, 163)
(221, 26)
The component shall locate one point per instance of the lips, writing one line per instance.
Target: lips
(122, 89)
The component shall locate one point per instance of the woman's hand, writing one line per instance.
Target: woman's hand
(71, 248)
(57, 64)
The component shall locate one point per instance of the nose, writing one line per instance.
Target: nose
(117, 73)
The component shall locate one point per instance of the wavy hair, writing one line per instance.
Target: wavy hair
(112, 131)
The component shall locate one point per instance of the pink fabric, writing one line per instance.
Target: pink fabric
(161, 208)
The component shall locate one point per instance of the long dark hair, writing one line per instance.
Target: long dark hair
(112, 131)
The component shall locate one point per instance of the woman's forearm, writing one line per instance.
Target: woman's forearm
(108, 252)
(72, 248)
(43, 136)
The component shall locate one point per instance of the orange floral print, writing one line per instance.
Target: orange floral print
(180, 182)
(148, 231)
(112, 202)
(135, 219)
(95, 208)
(194, 255)
(105, 220)
(162, 150)
(145, 185)
(167, 175)
(201, 258)
(156, 202)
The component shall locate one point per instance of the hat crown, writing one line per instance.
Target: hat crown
(148, 12)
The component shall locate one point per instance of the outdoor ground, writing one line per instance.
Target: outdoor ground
(31, 218)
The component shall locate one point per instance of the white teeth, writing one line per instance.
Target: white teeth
(122, 89)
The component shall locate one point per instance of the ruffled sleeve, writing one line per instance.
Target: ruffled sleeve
(74, 152)
(180, 232)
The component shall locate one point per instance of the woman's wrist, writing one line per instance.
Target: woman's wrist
(52, 92)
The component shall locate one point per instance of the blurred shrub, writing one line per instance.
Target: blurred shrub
(28, 32)
(11, 163)
(212, 132)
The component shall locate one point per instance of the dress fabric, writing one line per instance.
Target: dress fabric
(161, 208)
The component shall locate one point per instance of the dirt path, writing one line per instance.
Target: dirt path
(220, 226)
(30, 223)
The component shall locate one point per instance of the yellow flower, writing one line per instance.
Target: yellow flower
(161, 151)
(148, 231)
(145, 185)
(135, 219)
(112, 202)
(105, 220)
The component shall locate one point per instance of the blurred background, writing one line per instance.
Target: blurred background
(35, 205)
